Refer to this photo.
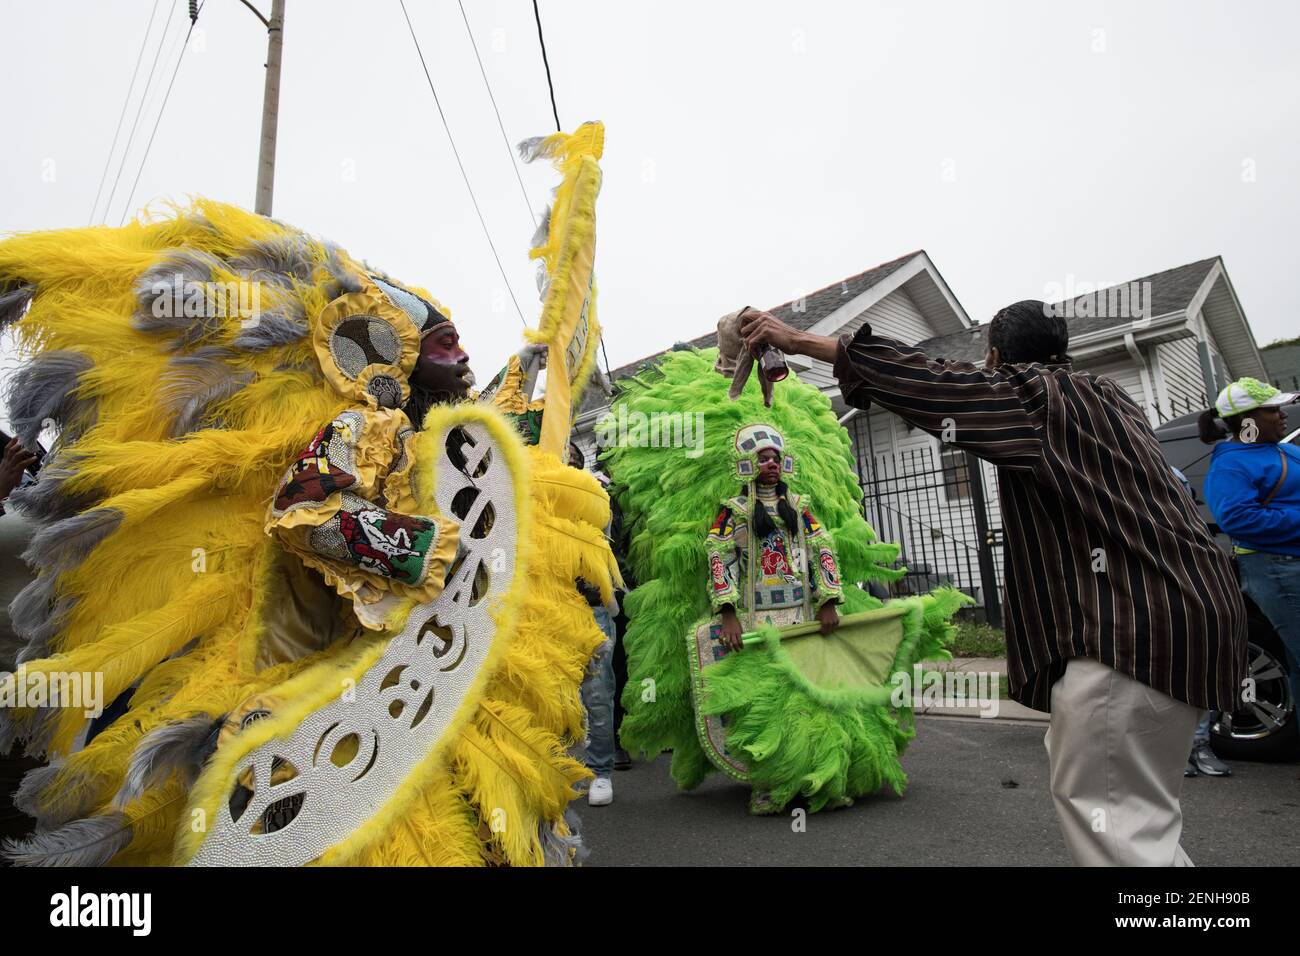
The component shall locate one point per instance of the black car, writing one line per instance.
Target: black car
(1268, 728)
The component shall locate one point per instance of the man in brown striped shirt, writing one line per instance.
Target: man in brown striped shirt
(1123, 618)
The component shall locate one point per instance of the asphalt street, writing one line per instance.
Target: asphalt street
(977, 796)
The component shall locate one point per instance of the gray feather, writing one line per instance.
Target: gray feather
(564, 850)
(36, 732)
(193, 383)
(27, 797)
(44, 499)
(92, 841)
(32, 606)
(273, 328)
(59, 806)
(543, 230)
(180, 748)
(39, 731)
(155, 293)
(64, 544)
(531, 148)
(42, 390)
(279, 256)
(344, 281)
(13, 303)
(38, 638)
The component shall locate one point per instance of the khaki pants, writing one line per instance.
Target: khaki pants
(1117, 750)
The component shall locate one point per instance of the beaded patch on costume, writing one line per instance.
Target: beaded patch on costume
(422, 312)
(529, 425)
(386, 390)
(403, 436)
(381, 542)
(323, 468)
(718, 574)
(362, 340)
(829, 568)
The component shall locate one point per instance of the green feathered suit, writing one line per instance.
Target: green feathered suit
(670, 446)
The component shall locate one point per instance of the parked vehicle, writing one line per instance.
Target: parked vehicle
(1268, 728)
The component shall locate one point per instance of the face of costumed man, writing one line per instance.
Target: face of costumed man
(443, 366)
(769, 466)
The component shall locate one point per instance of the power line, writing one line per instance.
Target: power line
(185, 45)
(108, 160)
(465, 176)
(140, 109)
(537, 15)
(504, 138)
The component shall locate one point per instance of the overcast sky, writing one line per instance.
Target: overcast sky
(755, 151)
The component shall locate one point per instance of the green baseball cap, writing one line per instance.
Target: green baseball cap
(1247, 394)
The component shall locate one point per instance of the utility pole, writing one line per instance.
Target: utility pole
(270, 105)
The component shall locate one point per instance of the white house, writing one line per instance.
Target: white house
(1170, 339)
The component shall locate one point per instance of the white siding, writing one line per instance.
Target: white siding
(819, 374)
(895, 316)
(1181, 362)
(1123, 373)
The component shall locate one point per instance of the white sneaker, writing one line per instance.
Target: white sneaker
(601, 793)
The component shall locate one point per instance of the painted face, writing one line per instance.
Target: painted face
(443, 365)
(769, 466)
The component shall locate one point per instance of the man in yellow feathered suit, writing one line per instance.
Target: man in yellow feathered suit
(362, 647)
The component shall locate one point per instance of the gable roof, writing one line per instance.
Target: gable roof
(1201, 286)
(1171, 291)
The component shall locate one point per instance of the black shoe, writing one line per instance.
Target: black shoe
(1208, 763)
(1190, 770)
(622, 759)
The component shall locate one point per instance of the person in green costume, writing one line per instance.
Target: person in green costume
(770, 560)
(809, 718)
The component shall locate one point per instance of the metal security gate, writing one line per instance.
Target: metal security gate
(935, 508)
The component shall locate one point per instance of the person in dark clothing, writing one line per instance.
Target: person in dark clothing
(1123, 617)
(618, 543)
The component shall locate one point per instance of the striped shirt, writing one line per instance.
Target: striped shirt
(1105, 556)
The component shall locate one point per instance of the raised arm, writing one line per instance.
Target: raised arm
(985, 411)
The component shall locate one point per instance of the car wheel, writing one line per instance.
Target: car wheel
(1266, 728)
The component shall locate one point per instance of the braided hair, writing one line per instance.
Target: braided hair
(762, 521)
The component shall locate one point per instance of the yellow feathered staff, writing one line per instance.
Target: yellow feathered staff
(567, 252)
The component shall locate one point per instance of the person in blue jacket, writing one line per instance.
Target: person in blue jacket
(1253, 491)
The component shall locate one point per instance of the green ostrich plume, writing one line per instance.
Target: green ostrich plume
(669, 445)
